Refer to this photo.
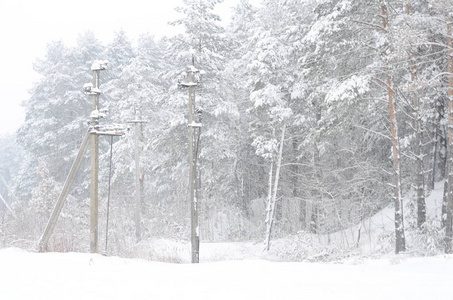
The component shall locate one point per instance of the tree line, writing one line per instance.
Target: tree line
(316, 115)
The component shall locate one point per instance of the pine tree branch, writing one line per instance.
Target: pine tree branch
(375, 132)
(376, 26)
(433, 44)
(384, 83)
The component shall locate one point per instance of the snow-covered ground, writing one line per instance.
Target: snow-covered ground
(25, 275)
(238, 270)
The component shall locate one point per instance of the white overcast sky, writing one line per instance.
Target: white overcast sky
(27, 26)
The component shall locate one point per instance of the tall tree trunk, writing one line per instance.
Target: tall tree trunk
(317, 194)
(420, 177)
(269, 207)
(273, 199)
(449, 204)
(295, 187)
(317, 200)
(417, 147)
(435, 152)
(399, 220)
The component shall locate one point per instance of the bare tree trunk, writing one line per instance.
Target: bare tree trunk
(317, 196)
(269, 207)
(449, 202)
(417, 147)
(399, 220)
(420, 177)
(435, 156)
(317, 200)
(295, 182)
(273, 199)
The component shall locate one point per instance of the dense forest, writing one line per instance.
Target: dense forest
(315, 113)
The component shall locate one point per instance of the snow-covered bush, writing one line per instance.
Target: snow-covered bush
(428, 240)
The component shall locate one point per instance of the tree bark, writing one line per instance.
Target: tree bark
(399, 220)
(417, 147)
(449, 200)
(273, 199)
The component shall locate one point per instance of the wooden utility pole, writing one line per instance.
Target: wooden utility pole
(92, 136)
(94, 128)
(138, 195)
(138, 182)
(94, 175)
(195, 231)
(42, 244)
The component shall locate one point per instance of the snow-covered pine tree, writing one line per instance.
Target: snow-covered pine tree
(57, 111)
(333, 91)
(447, 209)
(204, 42)
(246, 167)
(135, 95)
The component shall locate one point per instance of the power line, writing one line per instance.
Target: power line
(108, 195)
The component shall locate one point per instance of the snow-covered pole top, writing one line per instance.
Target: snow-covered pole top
(192, 69)
(196, 76)
(99, 65)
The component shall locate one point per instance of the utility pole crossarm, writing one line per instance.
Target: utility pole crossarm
(111, 129)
